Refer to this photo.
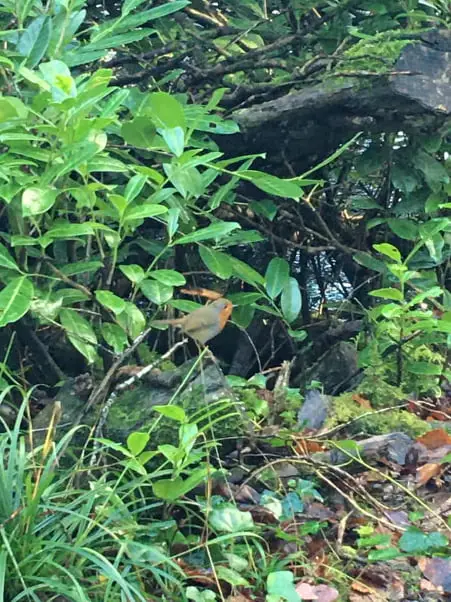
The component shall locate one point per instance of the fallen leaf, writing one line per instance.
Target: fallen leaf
(427, 472)
(434, 439)
(362, 401)
(305, 447)
(438, 571)
(322, 592)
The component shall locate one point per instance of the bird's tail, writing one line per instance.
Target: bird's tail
(173, 321)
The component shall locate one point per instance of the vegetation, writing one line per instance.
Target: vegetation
(295, 158)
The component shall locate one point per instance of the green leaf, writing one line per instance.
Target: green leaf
(136, 442)
(132, 320)
(217, 262)
(385, 554)
(244, 298)
(173, 489)
(70, 231)
(168, 277)
(174, 138)
(110, 301)
(291, 300)
(15, 300)
(139, 132)
(370, 262)
(403, 228)
(244, 272)
(156, 292)
(243, 315)
(134, 187)
(143, 212)
(388, 293)
(270, 184)
(228, 519)
(173, 221)
(265, 207)
(214, 231)
(434, 172)
(133, 272)
(115, 336)
(80, 333)
(390, 250)
(57, 74)
(280, 584)
(230, 576)
(277, 276)
(38, 200)
(165, 111)
(424, 368)
(34, 41)
(173, 412)
(6, 261)
(416, 542)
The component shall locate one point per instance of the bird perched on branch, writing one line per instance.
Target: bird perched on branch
(204, 323)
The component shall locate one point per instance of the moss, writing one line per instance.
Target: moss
(346, 409)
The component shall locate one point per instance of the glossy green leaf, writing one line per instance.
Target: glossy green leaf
(80, 333)
(6, 261)
(115, 336)
(110, 301)
(245, 272)
(277, 276)
(173, 412)
(388, 293)
(280, 586)
(291, 300)
(15, 300)
(34, 41)
(404, 228)
(228, 519)
(370, 262)
(70, 231)
(165, 111)
(174, 138)
(217, 262)
(168, 277)
(139, 132)
(133, 272)
(57, 74)
(156, 292)
(38, 200)
(215, 231)
(132, 320)
(387, 249)
(134, 187)
(143, 212)
(136, 442)
(270, 184)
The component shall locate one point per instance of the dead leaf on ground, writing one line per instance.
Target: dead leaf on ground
(427, 472)
(321, 593)
(305, 447)
(238, 598)
(362, 401)
(435, 439)
(438, 571)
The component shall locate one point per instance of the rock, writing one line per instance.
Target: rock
(313, 412)
(336, 368)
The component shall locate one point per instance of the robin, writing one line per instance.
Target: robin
(204, 323)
